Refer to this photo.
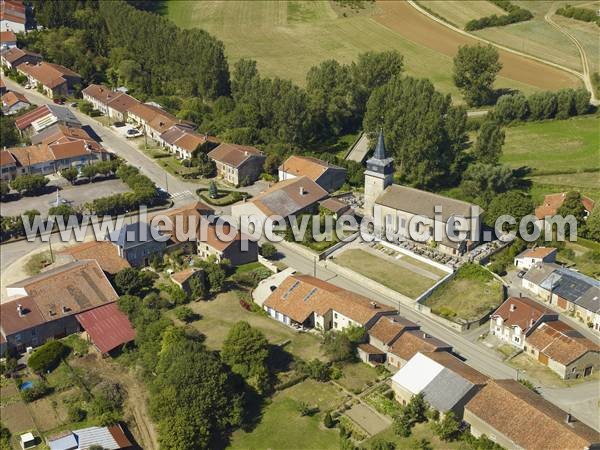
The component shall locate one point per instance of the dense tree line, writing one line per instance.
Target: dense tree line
(542, 105)
(583, 14)
(515, 14)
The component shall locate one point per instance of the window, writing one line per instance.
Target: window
(334, 324)
(335, 315)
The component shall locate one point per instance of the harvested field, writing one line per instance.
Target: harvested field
(410, 23)
(16, 418)
(45, 415)
(458, 12)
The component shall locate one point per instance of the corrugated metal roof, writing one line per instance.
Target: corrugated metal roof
(107, 326)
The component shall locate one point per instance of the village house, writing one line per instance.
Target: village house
(283, 199)
(55, 80)
(182, 141)
(237, 164)
(108, 438)
(154, 121)
(14, 56)
(111, 103)
(45, 116)
(534, 256)
(13, 103)
(326, 175)
(45, 306)
(104, 252)
(394, 208)
(412, 342)
(514, 416)
(336, 207)
(567, 290)
(381, 336)
(563, 349)
(238, 249)
(138, 243)
(516, 318)
(184, 278)
(13, 16)
(303, 301)
(446, 382)
(3, 89)
(553, 202)
(45, 159)
(8, 39)
(8, 166)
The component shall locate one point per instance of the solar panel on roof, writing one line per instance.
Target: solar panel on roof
(289, 291)
(310, 294)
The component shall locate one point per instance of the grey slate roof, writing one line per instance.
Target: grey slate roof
(63, 114)
(537, 274)
(446, 390)
(422, 203)
(132, 235)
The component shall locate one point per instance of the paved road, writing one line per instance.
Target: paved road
(580, 400)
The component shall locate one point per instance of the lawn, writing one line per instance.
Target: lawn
(579, 254)
(357, 377)
(219, 315)
(419, 432)
(282, 427)
(466, 297)
(555, 146)
(287, 38)
(391, 275)
(584, 182)
(540, 374)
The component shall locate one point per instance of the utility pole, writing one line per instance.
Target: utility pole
(50, 247)
(315, 267)
(166, 182)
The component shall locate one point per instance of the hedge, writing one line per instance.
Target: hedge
(48, 356)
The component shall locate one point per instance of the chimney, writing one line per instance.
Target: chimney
(531, 322)
(426, 336)
(20, 310)
(302, 190)
(513, 307)
(373, 305)
(245, 152)
(570, 419)
(65, 309)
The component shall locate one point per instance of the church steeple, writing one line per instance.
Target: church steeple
(380, 148)
(378, 176)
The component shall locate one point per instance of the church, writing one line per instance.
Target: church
(405, 213)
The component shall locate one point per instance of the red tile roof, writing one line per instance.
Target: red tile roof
(388, 328)
(25, 120)
(12, 98)
(107, 327)
(6, 158)
(233, 155)
(413, 341)
(553, 202)
(537, 252)
(48, 74)
(14, 54)
(7, 36)
(104, 252)
(520, 311)
(305, 166)
(527, 419)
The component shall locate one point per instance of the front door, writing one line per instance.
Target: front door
(543, 359)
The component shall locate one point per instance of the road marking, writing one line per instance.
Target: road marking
(181, 194)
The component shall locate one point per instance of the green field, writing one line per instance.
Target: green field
(282, 427)
(391, 275)
(287, 38)
(556, 146)
(458, 13)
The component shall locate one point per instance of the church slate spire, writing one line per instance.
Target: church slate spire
(380, 148)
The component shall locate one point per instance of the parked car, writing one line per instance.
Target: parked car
(521, 274)
(59, 101)
(73, 105)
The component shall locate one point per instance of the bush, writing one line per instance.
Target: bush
(515, 14)
(76, 413)
(47, 357)
(185, 314)
(35, 392)
(268, 250)
(583, 14)
(328, 421)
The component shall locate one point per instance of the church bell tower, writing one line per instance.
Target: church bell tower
(378, 176)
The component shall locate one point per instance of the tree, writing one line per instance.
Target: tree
(246, 351)
(213, 191)
(215, 275)
(206, 166)
(65, 211)
(481, 182)
(593, 225)
(542, 105)
(422, 444)
(337, 346)
(475, 70)
(582, 101)
(514, 203)
(328, 421)
(271, 164)
(29, 184)
(185, 314)
(132, 281)
(268, 250)
(244, 72)
(70, 174)
(416, 409)
(382, 444)
(573, 206)
(565, 103)
(490, 140)
(448, 428)
(197, 288)
(356, 334)
(510, 108)
(4, 188)
(402, 425)
(423, 131)
(89, 171)
(47, 356)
